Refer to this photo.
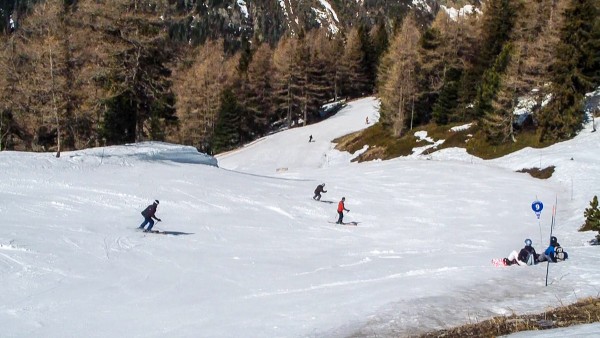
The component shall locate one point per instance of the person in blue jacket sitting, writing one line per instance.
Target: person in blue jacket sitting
(554, 253)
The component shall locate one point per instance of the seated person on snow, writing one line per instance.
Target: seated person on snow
(527, 255)
(554, 253)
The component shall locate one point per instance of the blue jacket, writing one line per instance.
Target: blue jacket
(551, 252)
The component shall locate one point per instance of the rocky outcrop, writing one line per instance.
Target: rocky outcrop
(268, 20)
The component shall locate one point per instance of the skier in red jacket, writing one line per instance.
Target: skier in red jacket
(340, 210)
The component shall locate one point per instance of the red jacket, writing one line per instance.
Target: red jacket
(341, 206)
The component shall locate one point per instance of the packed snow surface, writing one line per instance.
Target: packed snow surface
(251, 254)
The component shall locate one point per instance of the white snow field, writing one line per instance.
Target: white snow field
(251, 254)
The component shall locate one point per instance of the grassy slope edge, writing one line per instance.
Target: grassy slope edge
(381, 145)
(584, 311)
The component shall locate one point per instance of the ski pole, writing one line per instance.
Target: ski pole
(551, 227)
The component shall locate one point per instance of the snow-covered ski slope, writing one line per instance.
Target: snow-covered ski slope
(255, 256)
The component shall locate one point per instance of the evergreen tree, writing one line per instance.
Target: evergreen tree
(448, 97)
(431, 68)
(45, 81)
(321, 71)
(380, 42)
(497, 24)
(259, 99)
(534, 36)
(198, 85)
(354, 78)
(397, 78)
(592, 217)
(369, 64)
(119, 127)
(283, 72)
(145, 96)
(300, 81)
(325, 53)
(10, 96)
(490, 83)
(246, 55)
(458, 45)
(574, 72)
(227, 130)
(526, 74)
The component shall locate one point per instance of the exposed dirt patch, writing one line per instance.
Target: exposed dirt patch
(539, 173)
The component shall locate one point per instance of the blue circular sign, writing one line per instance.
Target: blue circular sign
(537, 206)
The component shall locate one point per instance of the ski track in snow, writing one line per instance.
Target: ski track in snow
(13, 247)
(434, 272)
(279, 211)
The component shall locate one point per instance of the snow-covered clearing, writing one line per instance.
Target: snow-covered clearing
(253, 255)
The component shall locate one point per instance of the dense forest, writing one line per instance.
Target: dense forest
(85, 73)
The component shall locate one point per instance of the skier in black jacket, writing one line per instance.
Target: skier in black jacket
(149, 214)
(320, 189)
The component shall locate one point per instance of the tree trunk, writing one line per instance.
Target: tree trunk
(2, 120)
(54, 107)
(305, 103)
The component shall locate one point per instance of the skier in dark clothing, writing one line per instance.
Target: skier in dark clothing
(340, 210)
(310, 139)
(527, 256)
(320, 189)
(149, 214)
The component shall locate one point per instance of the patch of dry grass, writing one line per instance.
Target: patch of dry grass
(539, 173)
(381, 144)
(584, 311)
(384, 146)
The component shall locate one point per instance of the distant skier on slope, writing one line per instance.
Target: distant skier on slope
(340, 210)
(318, 190)
(149, 214)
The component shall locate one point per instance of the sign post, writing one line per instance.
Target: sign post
(537, 207)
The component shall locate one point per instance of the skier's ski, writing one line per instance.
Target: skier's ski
(349, 223)
(499, 262)
(153, 231)
(156, 232)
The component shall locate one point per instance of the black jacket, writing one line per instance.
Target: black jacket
(319, 189)
(525, 252)
(149, 211)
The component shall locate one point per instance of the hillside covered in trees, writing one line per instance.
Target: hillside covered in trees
(218, 74)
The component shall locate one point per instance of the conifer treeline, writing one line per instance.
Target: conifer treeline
(476, 68)
(107, 72)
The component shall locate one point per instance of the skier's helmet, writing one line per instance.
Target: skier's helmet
(553, 240)
(343, 198)
(528, 242)
(322, 184)
(156, 202)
